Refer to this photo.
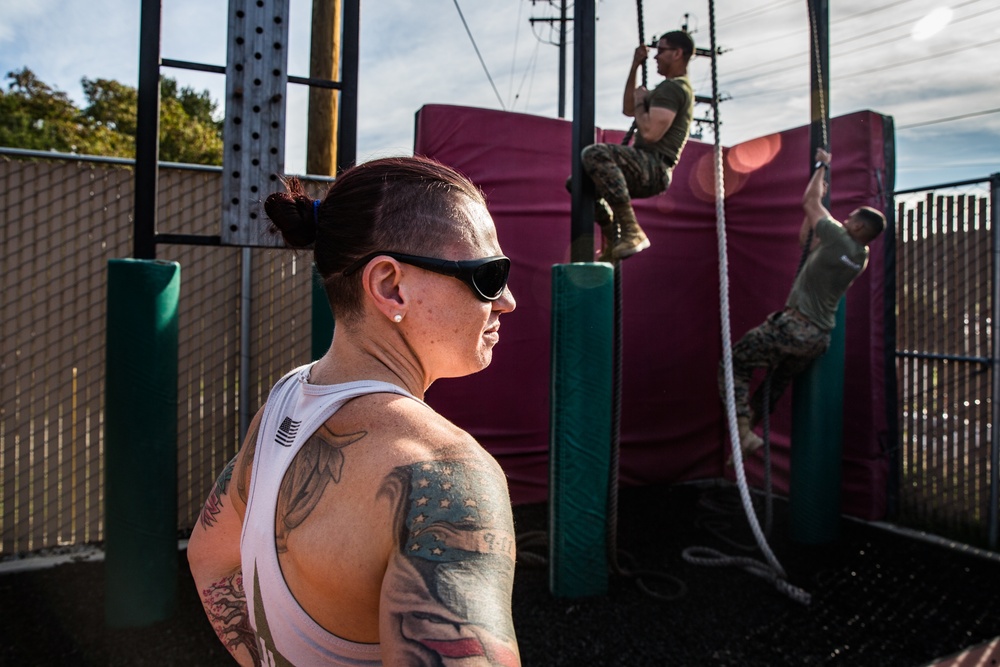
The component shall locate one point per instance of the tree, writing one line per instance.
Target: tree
(188, 131)
(34, 115)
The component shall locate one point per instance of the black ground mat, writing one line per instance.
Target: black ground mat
(877, 598)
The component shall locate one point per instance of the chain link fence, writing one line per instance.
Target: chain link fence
(63, 219)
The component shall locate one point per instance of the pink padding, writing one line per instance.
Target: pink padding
(673, 424)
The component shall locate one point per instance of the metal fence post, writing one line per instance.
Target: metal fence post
(995, 340)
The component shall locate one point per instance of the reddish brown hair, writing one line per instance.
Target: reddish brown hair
(404, 204)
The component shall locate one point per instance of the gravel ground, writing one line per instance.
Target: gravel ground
(878, 598)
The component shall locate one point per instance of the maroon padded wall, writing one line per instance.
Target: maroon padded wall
(672, 420)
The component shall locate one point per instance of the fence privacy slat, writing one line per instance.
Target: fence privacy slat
(944, 279)
(54, 255)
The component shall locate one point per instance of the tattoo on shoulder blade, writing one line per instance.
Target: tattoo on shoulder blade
(246, 468)
(319, 462)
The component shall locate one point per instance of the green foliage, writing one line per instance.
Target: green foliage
(36, 116)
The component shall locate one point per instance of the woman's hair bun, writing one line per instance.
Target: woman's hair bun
(292, 213)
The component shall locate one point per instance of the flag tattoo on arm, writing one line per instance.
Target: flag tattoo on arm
(454, 572)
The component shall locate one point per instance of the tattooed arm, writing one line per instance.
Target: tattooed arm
(214, 555)
(447, 588)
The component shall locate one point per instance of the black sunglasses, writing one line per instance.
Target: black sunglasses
(486, 277)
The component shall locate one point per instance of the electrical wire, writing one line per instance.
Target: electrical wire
(531, 68)
(757, 10)
(513, 57)
(963, 116)
(936, 55)
(878, 31)
(871, 70)
(481, 61)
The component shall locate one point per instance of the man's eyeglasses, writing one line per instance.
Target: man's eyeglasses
(486, 277)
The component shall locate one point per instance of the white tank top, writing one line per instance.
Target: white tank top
(285, 633)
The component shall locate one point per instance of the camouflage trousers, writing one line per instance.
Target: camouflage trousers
(785, 343)
(621, 173)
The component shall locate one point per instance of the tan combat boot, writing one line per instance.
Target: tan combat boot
(609, 230)
(631, 238)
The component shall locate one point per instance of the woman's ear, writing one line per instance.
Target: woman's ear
(382, 280)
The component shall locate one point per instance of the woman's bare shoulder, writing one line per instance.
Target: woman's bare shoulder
(406, 429)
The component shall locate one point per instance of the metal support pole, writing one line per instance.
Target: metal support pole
(562, 60)
(582, 221)
(147, 133)
(995, 408)
(246, 307)
(347, 131)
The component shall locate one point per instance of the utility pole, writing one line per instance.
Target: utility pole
(562, 49)
(324, 63)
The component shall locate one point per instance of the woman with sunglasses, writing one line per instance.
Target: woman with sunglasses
(357, 526)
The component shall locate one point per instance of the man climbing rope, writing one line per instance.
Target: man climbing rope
(790, 339)
(662, 123)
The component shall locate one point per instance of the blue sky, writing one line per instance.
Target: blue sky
(921, 61)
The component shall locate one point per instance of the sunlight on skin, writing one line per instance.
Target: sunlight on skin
(932, 24)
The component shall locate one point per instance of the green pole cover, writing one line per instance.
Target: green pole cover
(140, 464)
(580, 420)
(817, 444)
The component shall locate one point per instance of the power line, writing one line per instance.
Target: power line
(873, 10)
(841, 19)
(871, 70)
(853, 38)
(513, 57)
(481, 61)
(756, 10)
(529, 69)
(881, 43)
(906, 23)
(934, 56)
(949, 119)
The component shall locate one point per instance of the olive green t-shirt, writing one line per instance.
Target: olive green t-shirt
(828, 272)
(676, 95)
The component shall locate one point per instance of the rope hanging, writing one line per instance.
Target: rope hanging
(772, 569)
(642, 31)
(825, 139)
(821, 103)
(616, 409)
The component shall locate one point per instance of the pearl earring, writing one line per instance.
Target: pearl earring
(397, 318)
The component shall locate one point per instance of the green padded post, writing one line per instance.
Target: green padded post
(580, 446)
(322, 318)
(140, 460)
(817, 444)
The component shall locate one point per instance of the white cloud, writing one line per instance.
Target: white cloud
(932, 24)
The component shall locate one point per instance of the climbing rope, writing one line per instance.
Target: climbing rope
(611, 533)
(771, 570)
(814, 32)
(806, 247)
(821, 103)
(642, 31)
(613, 554)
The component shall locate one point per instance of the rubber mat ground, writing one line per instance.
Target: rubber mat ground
(877, 598)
